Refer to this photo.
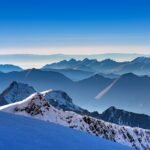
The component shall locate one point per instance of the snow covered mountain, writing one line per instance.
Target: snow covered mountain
(19, 91)
(38, 107)
(61, 100)
(48, 136)
(15, 92)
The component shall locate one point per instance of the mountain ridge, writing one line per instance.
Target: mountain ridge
(52, 136)
(139, 66)
(36, 106)
(62, 101)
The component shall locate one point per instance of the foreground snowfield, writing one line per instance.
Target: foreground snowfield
(18, 132)
(38, 107)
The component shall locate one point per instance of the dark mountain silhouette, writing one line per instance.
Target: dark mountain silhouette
(15, 92)
(139, 66)
(123, 117)
(40, 80)
(92, 65)
(9, 68)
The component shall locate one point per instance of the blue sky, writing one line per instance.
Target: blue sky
(74, 26)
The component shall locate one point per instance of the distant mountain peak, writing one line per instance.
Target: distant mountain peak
(129, 75)
(142, 60)
(112, 108)
(9, 68)
(16, 92)
(87, 59)
(60, 100)
(72, 60)
(63, 61)
(123, 117)
(108, 61)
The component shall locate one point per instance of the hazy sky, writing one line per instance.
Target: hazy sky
(74, 26)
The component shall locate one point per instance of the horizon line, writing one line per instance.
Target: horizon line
(75, 54)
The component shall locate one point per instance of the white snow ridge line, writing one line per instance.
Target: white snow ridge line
(38, 107)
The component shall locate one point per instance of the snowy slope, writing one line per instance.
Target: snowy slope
(18, 91)
(61, 100)
(37, 106)
(27, 134)
(15, 92)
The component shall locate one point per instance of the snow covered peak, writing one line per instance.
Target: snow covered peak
(108, 61)
(19, 91)
(38, 107)
(60, 100)
(15, 92)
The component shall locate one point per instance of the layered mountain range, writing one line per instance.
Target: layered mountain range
(129, 92)
(101, 98)
(139, 66)
(62, 101)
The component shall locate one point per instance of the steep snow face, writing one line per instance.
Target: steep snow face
(60, 100)
(19, 91)
(15, 92)
(38, 107)
(24, 133)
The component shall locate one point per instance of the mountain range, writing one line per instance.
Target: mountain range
(81, 69)
(62, 101)
(129, 92)
(139, 66)
(85, 67)
(30, 61)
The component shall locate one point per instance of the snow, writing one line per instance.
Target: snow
(61, 100)
(18, 132)
(38, 107)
